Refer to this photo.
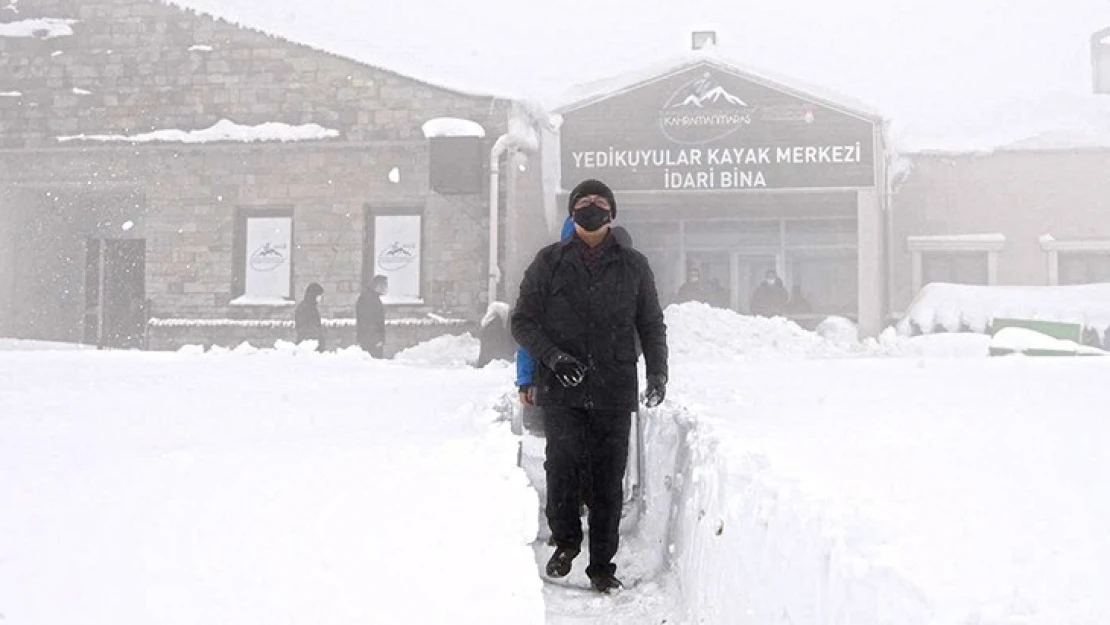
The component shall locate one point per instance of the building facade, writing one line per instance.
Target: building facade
(720, 169)
(156, 164)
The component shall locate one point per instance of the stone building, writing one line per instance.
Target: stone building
(160, 164)
(1026, 205)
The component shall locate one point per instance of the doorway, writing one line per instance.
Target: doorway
(115, 293)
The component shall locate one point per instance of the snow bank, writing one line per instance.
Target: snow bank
(258, 488)
(223, 130)
(11, 94)
(952, 307)
(443, 351)
(698, 332)
(44, 28)
(452, 127)
(894, 491)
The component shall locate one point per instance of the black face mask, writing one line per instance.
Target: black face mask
(591, 217)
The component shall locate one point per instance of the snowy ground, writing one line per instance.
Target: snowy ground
(258, 487)
(791, 478)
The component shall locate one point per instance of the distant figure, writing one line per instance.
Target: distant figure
(306, 317)
(497, 341)
(799, 305)
(694, 290)
(370, 317)
(770, 297)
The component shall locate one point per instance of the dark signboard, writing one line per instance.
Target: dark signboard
(707, 128)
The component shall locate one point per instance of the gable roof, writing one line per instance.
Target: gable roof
(586, 94)
(922, 65)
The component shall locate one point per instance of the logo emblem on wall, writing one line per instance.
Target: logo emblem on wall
(703, 111)
(267, 258)
(395, 257)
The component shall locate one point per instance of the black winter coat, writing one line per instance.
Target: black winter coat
(369, 320)
(307, 323)
(594, 316)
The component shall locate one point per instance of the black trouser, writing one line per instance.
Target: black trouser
(593, 445)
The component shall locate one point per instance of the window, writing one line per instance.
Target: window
(957, 259)
(394, 247)
(1076, 262)
(955, 268)
(263, 257)
(823, 283)
(1084, 267)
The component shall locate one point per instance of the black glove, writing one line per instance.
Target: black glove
(569, 371)
(656, 390)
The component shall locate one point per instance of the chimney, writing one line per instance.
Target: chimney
(703, 39)
(1100, 61)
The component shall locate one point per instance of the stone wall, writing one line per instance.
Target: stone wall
(146, 65)
(185, 205)
(134, 66)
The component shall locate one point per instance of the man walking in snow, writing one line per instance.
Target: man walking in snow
(583, 302)
(370, 317)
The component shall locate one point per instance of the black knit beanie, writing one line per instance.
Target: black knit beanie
(592, 187)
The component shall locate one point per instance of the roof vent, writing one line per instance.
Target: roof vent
(703, 39)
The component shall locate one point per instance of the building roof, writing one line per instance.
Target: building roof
(924, 66)
(587, 93)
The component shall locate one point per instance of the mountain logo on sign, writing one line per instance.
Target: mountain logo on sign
(715, 95)
(702, 111)
(267, 258)
(395, 257)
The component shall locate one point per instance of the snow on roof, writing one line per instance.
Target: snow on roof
(886, 54)
(223, 130)
(10, 94)
(43, 28)
(939, 306)
(1047, 122)
(956, 242)
(452, 127)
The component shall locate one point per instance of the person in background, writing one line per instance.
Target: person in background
(770, 297)
(693, 290)
(306, 317)
(370, 317)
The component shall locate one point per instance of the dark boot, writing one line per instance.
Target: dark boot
(606, 583)
(561, 560)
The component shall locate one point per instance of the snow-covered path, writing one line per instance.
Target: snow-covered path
(273, 487)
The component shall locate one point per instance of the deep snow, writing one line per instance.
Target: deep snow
(791, 478)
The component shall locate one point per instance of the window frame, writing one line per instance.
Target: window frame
(989, 244)
(370, 215)
(1053, 248)
(243, 215)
